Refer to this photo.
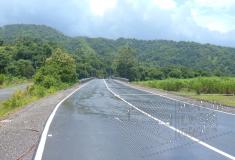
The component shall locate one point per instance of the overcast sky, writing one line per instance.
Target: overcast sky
(206, 21)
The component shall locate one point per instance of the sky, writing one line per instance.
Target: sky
(204, 21)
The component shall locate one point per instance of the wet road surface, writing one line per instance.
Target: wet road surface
(93, 124)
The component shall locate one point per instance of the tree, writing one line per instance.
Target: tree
(60, 66)
(34, 50)
(88, 63)
(155, 73)
(1, 42)
(175, 73)
(126, 63)
(22, 68)
(4, 60)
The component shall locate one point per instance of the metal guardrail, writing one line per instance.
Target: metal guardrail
(120, 79)
(85, 79)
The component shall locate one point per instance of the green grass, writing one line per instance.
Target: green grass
(22, 98)
(219, 90)
(17, 100)
(9, 81)
(201, 85)
(219, 99)
(227, 100)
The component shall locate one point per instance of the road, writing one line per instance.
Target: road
(5, 93)
(107, 120)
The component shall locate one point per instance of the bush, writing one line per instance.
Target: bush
(59, 68)
(207, 85)
(49, 81)
(16, 100)
(37, 90)
(21, 68)
(172, 84)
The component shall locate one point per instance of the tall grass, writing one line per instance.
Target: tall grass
(21, 98)
(7, 80)
(207, 85)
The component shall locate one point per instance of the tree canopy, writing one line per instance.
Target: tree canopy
(30, 46)
(60, 67)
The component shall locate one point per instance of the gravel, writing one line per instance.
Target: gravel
(20, 131)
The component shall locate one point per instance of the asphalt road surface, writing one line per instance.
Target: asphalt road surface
(107, 120)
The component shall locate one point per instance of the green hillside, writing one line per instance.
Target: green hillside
(10, 33)
(213, 59)
(207, 57)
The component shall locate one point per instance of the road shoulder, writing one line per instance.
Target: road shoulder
(20, 132)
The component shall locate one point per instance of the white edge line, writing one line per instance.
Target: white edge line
(173, 128)
(41, 146)
(161, 95)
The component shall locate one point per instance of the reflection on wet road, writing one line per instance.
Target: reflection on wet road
(95, 125)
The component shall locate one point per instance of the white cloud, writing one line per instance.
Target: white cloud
(222, 23)
(225, 4)
(195, 20)
(99, 7)
(165, 4)
(214, 15)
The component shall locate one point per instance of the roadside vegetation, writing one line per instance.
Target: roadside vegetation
(8, 81)
(52, 61)
(212, 89)
(58, 72)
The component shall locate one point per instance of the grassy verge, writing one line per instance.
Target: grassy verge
(58, 72)
(9, 81)
(22, 98)
(227, 100)
(219, 99)
(218, 90)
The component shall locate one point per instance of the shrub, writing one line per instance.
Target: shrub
(207, 85)
(59, 68)
(196, 86)
(37, 90)
(49, 81)
(21, 68)
(16, 100)
(171, 84)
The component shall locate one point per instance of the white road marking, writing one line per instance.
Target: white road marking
(6, 121)
(49, 135)
(164, 95)
(41, 146)
(173, 128)
(136, 94)
(118, 119)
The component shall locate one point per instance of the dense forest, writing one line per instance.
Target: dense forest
(28, 49)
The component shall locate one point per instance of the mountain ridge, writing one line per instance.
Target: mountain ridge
(209, 57)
